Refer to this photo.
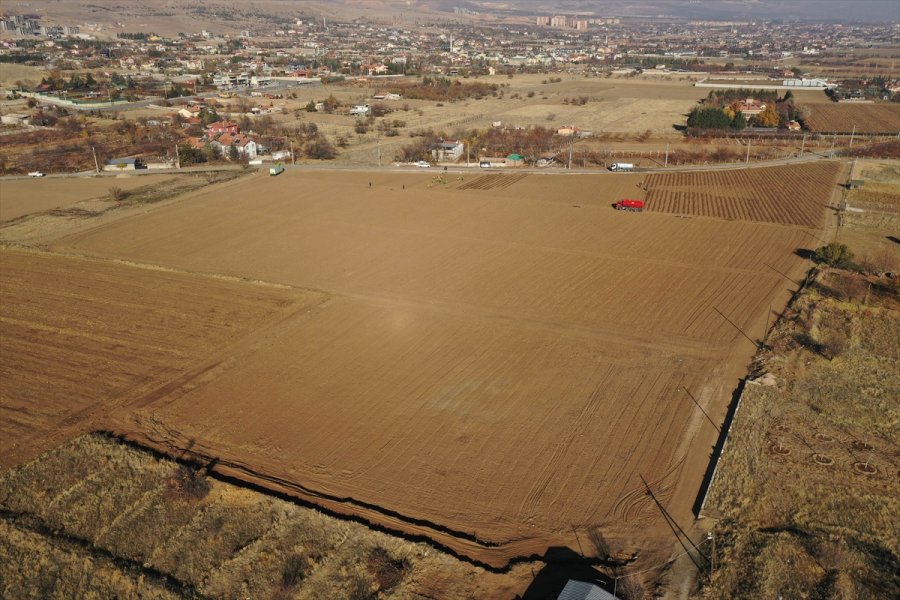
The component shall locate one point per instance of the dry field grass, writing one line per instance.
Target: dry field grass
(873, 220)
(20, 197)
(11, 73)
(65, 534)
(817, 453)
(44, 209)
(618, 105)
(494, 369)
(81, 337)
(841, 117)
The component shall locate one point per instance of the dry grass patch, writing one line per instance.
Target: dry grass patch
(108, 523)
(817, 520)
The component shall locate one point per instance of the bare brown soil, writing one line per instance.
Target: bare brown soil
(80, 337)
(841, 117)
(792, 195)
(495, 369)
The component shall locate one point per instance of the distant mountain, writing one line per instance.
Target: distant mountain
(882, 11)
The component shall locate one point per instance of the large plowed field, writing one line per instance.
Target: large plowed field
(80, 337)
(846, 117)
(791, 195)
(494, 366)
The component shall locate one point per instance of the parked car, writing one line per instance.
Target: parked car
(35, 174)
(485, 164)
(423, 164)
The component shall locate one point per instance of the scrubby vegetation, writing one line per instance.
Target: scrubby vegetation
(97, 518)
(443, 89)
(807, 489)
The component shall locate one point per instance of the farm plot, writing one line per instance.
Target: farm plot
(80, 337)
(791, 195)
(493, 368)
(491, 182)
(844, 117)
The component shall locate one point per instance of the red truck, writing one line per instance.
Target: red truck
(632, 205)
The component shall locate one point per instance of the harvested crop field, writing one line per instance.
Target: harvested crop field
(80, 337)
(842, 117)
(495, 369)
(790, 195)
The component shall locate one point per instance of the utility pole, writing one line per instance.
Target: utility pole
(96, 164)
(747, 160)
(852, 133)
(712, 562)
(467, 154)
(570, 155)
(293, 160)
(177, 158)
(667, 155)
(802, 144)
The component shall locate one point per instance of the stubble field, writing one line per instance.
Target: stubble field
(495, 369)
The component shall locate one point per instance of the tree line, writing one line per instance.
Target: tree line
(722, 110)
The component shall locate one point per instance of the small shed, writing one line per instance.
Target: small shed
(124, 164)
(856, 183)
(582, 590)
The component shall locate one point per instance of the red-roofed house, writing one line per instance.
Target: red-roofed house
(214, 129)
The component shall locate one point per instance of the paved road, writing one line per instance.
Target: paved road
(392, 167)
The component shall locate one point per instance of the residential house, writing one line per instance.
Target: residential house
(749, 107)
(246, 147)
(446, 151)
(220, 127)
(189, 112)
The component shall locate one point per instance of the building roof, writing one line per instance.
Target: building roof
(123, 161)
(222, 125)
(582, 590)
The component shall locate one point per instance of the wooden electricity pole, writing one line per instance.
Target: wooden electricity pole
(96, 164)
